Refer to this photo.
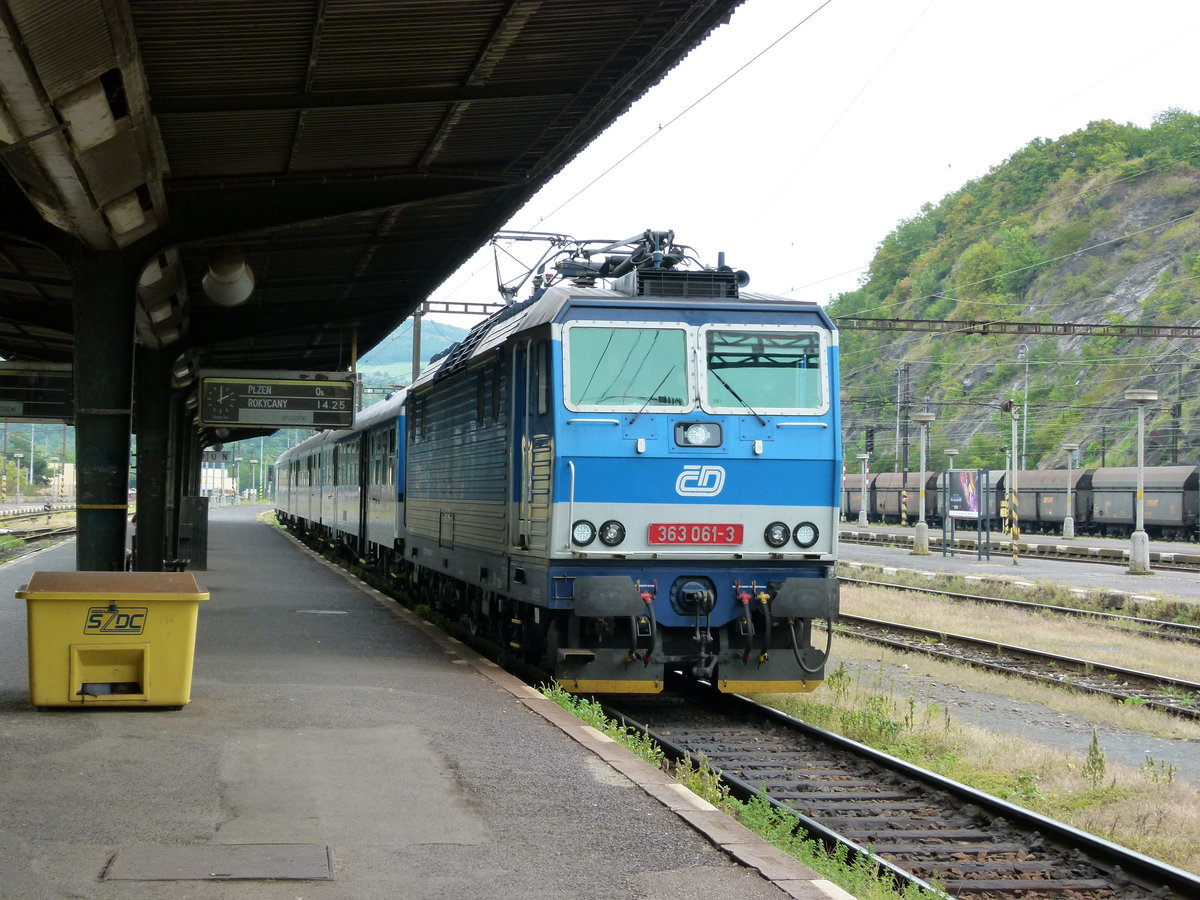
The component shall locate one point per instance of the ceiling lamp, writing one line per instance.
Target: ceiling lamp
(229, 280)
(125, 213)
(88, 115)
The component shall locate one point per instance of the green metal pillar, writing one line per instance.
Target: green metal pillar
(152, 392)
(105, 294)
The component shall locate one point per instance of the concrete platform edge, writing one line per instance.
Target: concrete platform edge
(788, 874)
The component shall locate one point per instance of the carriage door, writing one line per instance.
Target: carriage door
(533, 445)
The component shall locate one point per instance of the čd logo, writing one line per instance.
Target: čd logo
(700, 481)
(112, 620)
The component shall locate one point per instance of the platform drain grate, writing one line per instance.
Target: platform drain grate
(221, 862)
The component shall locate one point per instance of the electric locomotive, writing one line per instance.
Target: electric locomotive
(635, 470)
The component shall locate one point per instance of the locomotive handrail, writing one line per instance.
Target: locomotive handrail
(593, 421)
(571, 503)
(801, 424)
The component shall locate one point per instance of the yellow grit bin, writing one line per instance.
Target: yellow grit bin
(111, 638)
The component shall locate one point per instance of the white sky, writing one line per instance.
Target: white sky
(803, 162)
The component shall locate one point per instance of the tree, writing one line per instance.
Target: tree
(1019, 258)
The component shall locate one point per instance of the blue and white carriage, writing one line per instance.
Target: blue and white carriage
(613, 480)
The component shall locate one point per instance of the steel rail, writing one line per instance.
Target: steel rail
(1164, 691)
(1170, 630)
(35, 514)
(1029, 549)
(931, 825)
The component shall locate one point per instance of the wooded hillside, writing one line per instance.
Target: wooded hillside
(1099, 226)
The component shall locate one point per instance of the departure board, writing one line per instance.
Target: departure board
(276, 399)
(37, 392)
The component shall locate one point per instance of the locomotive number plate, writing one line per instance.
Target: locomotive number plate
(685, 533)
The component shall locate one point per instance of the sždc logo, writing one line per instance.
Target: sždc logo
(110, 620)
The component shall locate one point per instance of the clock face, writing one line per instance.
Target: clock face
(221, 402)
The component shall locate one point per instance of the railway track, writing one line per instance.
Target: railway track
(919, 826)
(1173, 695)
(32, 541)
(1177, 631)
(1110, 556)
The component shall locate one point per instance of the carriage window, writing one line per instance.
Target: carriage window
(763, 370)
(627, 368)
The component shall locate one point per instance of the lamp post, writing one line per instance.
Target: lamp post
(1069, 518)
(1139, 542)
(1014, 526)
(56, 479)
(254, 477)
(1023, 353)
(18, 457)
(862, 494)
(237, 477)
(921, 535)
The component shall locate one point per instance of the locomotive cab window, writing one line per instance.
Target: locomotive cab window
(627, 368)
(764, 370)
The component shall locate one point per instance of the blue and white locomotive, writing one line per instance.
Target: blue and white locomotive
(614, 481)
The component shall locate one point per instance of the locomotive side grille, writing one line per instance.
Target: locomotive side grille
(671, 283)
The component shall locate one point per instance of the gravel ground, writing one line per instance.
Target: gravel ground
(1033, 721)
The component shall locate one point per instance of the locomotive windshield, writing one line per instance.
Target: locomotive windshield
(775, 370)
(627, 367)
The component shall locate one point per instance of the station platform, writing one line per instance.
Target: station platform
(337, 746)
(1097, 564)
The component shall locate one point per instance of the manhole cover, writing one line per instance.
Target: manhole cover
(222, 862)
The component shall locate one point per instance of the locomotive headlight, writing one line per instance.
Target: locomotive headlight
(612, 533)
(697, 434)
(583, 532)
(806, 534)
(777, 534)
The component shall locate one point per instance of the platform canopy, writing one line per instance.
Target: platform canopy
(352, 152)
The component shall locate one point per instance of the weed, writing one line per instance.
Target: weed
(1158, 772)
(871, 724)
(1134, 700)
(592, 713)
(1096, 763)
(703, 781)
(838, 681)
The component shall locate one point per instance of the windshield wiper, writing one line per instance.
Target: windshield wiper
(652, 393)
(738, 396)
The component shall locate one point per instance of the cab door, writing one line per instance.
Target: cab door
(533, 445)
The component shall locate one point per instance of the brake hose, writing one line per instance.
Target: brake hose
(796, 649)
